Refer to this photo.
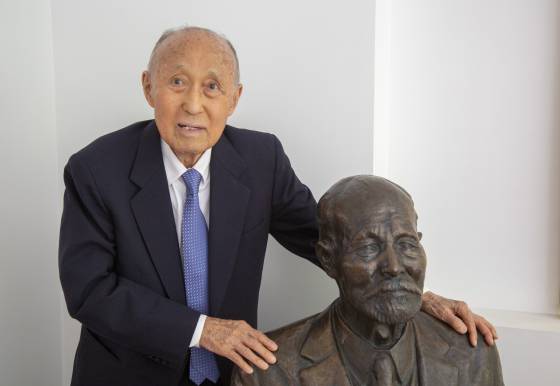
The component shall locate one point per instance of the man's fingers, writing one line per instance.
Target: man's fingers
(239, 342)
(486, 329)
(260, 349)
(269, 343)
(239, 361)
(458, 315)
(248, 354)
(493, 329)
(473, 334)
(488, 338)
(455, 322)
(464, 312)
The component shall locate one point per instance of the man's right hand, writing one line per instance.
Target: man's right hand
(239, 342)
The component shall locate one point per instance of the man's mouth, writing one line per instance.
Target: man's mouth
(189, 126)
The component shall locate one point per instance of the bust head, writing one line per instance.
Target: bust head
(369, 244)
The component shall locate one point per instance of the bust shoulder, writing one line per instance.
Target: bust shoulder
(478, 365)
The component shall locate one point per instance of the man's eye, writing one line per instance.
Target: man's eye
(213, 86)
(177, 82)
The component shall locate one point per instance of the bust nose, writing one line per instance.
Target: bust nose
(391, 263)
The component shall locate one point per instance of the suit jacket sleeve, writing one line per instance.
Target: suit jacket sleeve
(108, 304)
(293, 220)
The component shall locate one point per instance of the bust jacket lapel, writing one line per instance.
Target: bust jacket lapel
(434, 355)
(320, 349)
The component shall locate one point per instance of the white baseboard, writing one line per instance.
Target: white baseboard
(521, 320)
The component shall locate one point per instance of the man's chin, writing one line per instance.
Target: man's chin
(189, 148)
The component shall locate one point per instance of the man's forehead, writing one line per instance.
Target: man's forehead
(192, 37)
(190, 42)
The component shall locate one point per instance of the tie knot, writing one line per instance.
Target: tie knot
(192, 179)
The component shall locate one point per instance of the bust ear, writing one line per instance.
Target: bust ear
(419, 235)
(324, 249)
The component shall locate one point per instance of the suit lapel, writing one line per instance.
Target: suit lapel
(320, 349)
(228, 202)
(152, 210)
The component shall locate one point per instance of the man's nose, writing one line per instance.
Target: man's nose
(192, 101)
(391, 263)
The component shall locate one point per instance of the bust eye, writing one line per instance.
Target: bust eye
(368, 250)
(407, 245)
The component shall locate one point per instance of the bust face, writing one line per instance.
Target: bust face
(381, 264)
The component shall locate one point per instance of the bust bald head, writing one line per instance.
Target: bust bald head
(346, 196)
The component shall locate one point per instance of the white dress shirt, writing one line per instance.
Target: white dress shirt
(174, 169)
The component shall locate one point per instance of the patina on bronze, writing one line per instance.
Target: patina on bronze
(374, 333)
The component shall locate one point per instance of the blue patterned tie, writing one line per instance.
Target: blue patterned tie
(195, 263)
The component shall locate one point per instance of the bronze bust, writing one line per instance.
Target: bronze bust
(374, 333)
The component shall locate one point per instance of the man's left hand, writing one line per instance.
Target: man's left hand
(459, 316)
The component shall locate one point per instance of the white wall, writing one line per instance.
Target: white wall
(467, 118)
(472, 128)
(307, 70)
(30, 348)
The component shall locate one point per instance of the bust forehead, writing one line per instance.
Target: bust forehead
(366, 203)
(381, 219)
(371, 196)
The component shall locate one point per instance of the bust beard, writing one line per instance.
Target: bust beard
(390, 308)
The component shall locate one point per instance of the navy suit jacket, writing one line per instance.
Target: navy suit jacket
(119, 258)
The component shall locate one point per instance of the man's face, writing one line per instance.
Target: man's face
(193, 90)
(381, 269)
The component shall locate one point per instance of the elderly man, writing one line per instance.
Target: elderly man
(374, 334)
(165, 227)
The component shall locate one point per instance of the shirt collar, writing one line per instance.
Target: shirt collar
(174, 168)
(359, 354)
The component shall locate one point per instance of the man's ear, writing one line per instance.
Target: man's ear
(236, 95)
(147, 87)
(324, 249)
